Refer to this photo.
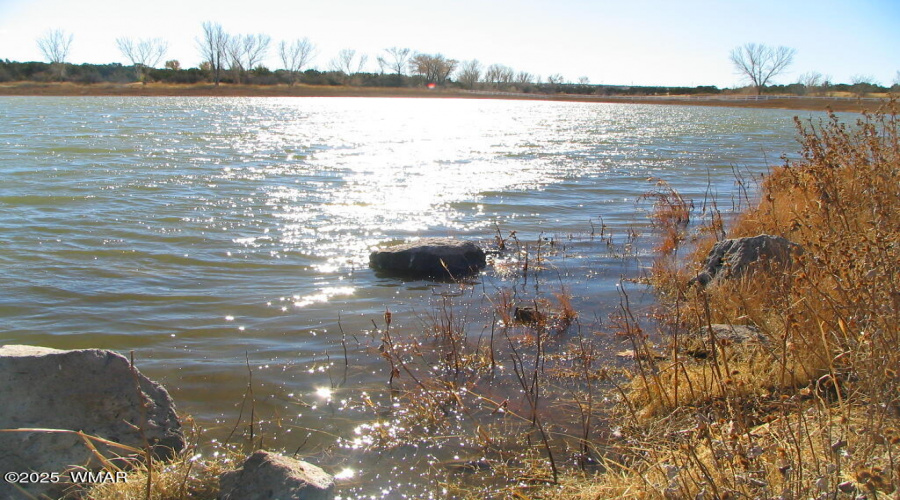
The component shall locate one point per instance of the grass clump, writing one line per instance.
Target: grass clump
(812, 410)
(189, 474)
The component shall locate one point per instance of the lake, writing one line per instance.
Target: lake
(219, 237)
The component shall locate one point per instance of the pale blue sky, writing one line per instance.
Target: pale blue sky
(640, 42)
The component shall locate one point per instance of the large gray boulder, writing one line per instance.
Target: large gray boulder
(736, 257)
(439, 258)
(91, 390)
(270, 476)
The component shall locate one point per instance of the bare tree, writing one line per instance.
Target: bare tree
(760, 63)
(434, 68)
(246, 52)
(347, 63)
(555, 80)
(256, 47)
(396, 59)
(469, 74)
(524, 78)
(863, 84)
(295, 56)
(55, 46)
(812, 81)
(214, 48)
(233, 52)
(499, 75)
(143, 54)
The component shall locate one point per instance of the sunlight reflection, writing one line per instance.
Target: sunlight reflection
(399, 167)
(323, 296)
(347, 473)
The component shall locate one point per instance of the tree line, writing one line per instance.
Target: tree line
(238, 59)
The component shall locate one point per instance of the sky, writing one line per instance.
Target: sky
(613, 42)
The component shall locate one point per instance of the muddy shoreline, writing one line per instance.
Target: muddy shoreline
(228, 90)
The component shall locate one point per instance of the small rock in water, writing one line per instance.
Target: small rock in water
(436, 258)
(529, 315)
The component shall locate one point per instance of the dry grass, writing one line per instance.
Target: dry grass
(188, 475)
(814, 411)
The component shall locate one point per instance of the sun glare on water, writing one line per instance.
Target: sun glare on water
(324, 393)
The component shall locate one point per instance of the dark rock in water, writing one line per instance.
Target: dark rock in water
(439, 258)
(265, 476)
(91, 390)
(734, 258)
(529, 315)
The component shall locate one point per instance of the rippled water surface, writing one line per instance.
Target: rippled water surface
(209, 234)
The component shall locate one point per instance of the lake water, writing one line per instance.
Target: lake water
(212, 234)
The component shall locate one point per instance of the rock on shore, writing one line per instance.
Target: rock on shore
(736, 257)
(701, 343)
(267, 476)
(439, 258)
(94, 391)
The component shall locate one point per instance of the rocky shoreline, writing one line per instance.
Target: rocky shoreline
(89, 414)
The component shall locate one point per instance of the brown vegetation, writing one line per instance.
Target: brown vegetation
(230, 90)
(813, 412)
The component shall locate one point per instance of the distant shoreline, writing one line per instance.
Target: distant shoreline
(228, 90)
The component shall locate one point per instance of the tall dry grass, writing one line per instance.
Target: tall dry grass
(813, 410)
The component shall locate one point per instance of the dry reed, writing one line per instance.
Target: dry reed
(813, 411)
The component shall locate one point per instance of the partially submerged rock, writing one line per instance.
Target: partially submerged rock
(736, 257)
(94, 391)
(529, 315)
(439, 258)
(270, 476)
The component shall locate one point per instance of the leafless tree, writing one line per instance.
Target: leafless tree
(469, 74)
(214, 48)
(233, 52)
(760, 63)
(433, 68)
(246, 52)
(813, 81)
(347, 63)
(55, 44)
(863, 84)
(524, 78)
(295, 56)
(396, 59)
(143, 54)
(256, 47)
(499, 75)
(583, 80)
(555, 80)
